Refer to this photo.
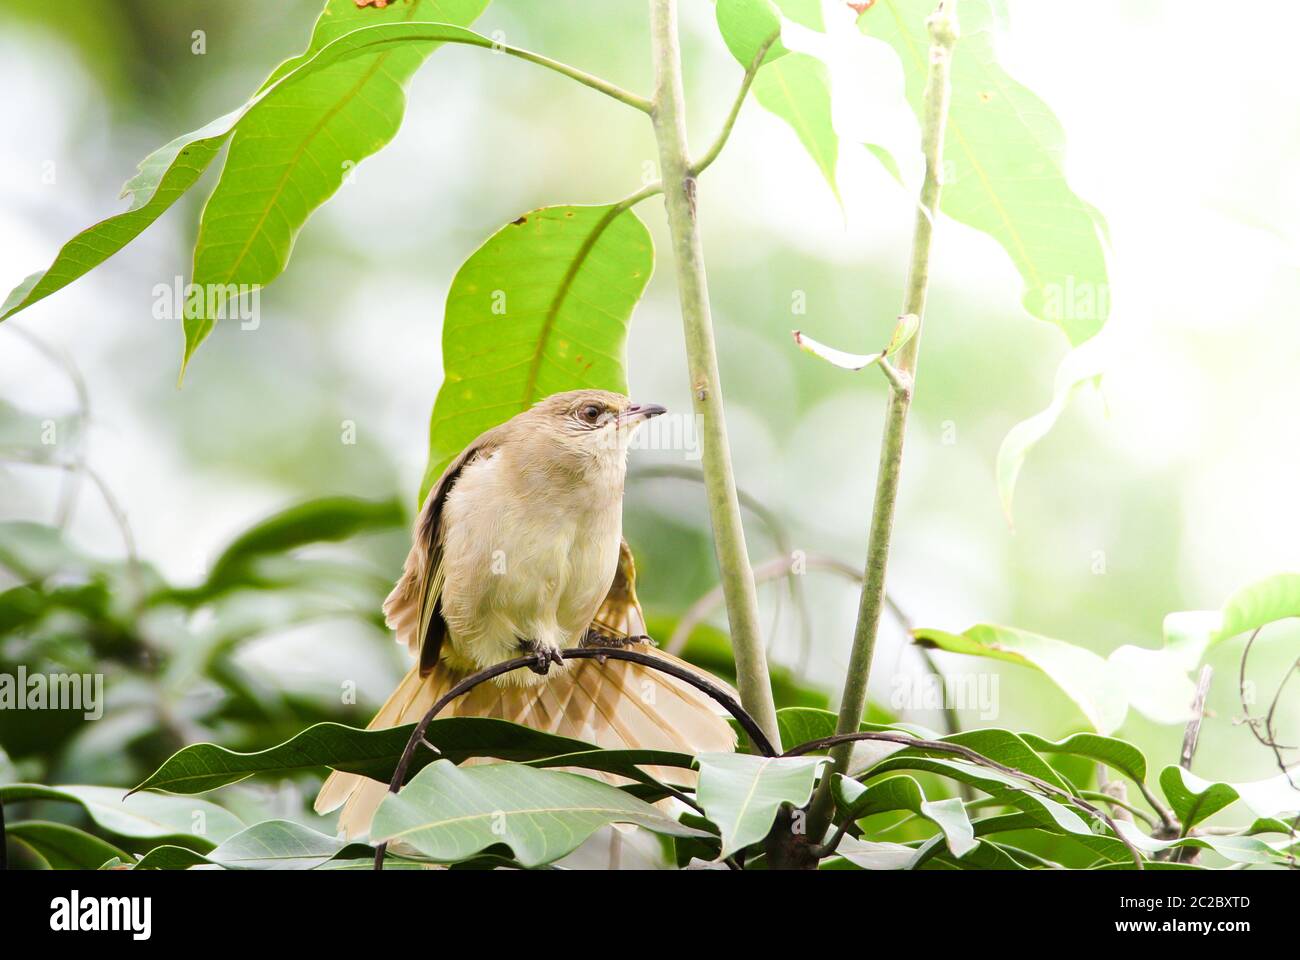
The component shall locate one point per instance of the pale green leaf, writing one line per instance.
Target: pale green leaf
(1238, 849)
(450, 813)
(904, 330)
(797, 89)
(1004, 155)
(742, 793)
(542, 307)
(1082, 675)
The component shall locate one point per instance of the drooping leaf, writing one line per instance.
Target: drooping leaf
(903, 332)
(904, 793)
(1079, 367)
(162, 178)
(1238, 849)
(63, 847)
(198, 823)
(742, 793)
(542, 307)
(1116, 754)
(269, 845)
(746, 25)
(451, 813)
(1082, 675)
(371, 753)
(1193, 799)
(172, 169)
(288, 158)
(1004, 156)
(797, 89)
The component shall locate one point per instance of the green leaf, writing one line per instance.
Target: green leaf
(144, 816)
(1116, 754)
(742, 793)
(1004, 156)
(169, 171)
(1193, 799)
(1079, 367)
(451, 813)
(1238, 849)
(906, 328)
(797, 89)
(64, 847)
(904, 793)
(269, 845)
(371, 753)
(746, 25)
(285, 162)
(542, 307)
(1083, 676)
(163, 176)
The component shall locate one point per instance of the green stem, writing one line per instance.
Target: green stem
(942, 25)
(706, 390)
(700, 165)
(586, 79)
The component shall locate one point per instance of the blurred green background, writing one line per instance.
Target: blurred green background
(1165, 490)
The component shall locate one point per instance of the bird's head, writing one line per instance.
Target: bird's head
(592, 425)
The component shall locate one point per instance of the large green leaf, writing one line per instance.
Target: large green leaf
(451, 813)
(542, 307)
(1238, 849)
(904, 793)
(64, 847)
(269, 845)
(289, 158)
(1004, 155)
(147, 816)
(742, 793)
(1082, 675)
(797, 89)
(1193, 799)
(372, 753)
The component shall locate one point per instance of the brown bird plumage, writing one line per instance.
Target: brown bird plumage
(519, 548)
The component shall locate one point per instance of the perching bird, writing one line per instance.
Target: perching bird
(519, 549)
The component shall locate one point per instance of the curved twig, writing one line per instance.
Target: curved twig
(752, 729)
(971, 756)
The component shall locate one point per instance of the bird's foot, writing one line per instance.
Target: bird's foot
(546, 656)
(594, 639)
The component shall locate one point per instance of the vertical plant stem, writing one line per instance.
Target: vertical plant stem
(942, 26)
(724, 508)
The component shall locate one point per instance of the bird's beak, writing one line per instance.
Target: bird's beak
(640, 411)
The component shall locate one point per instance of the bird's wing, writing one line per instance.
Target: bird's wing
(620, 614)
(414, 608)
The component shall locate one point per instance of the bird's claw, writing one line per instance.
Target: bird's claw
(546, 658)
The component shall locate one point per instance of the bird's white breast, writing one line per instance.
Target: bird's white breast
(523, 564)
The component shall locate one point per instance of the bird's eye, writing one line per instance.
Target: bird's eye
(590, 413)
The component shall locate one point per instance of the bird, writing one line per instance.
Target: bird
(519, 549)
